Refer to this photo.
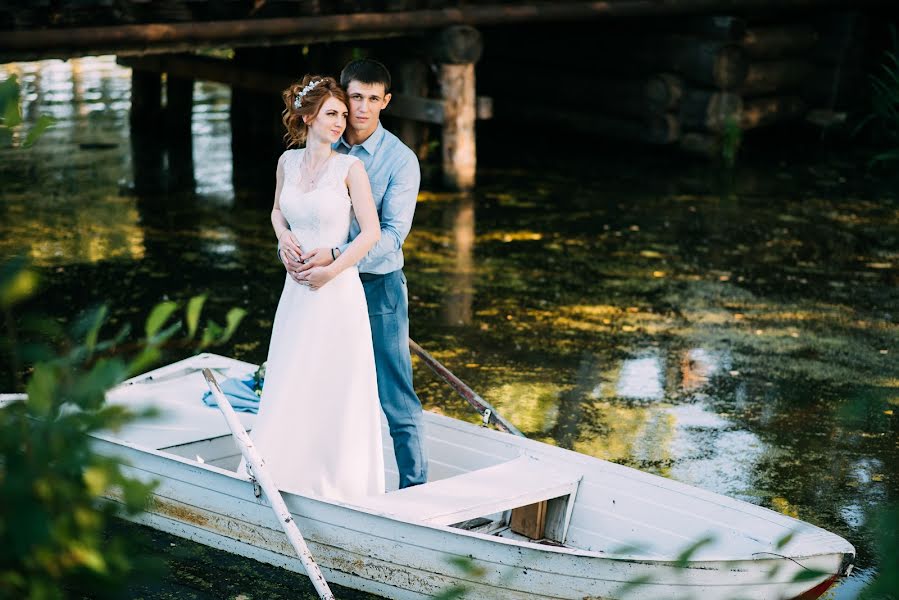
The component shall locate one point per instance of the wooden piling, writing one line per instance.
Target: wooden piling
(458, 48)
(147, 149)
(457, 86)
(411, 80)
(146, 99)
(179, 96)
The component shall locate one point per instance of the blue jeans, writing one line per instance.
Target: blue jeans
(388, 313)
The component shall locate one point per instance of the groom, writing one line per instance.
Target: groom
(394, 173)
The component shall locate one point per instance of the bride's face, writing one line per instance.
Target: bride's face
(330, 121)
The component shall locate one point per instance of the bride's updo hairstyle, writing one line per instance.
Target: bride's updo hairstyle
(305, 98)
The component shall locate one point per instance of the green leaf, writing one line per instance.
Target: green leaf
(808, 575)
(89, 390)
(468, 566)
(684, 557)
(194, 308)
(17, 283)
(886, 157)
(625, 590)
(167, 333)
(232, 319)
(9, 92)
(37, 130)
(210, 333)
(136, 494)
(9, 102)
(451, 593)
(147, 357)
(158, 316)
(782, 542)
(94, 322)
(41, 390)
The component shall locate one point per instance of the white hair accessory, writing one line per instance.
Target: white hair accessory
(298, 101)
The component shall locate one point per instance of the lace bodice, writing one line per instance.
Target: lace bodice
(320, 217)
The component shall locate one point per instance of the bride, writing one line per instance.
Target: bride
(319, 425)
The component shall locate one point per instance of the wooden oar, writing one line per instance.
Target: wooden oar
(483, 407)
(260, 473)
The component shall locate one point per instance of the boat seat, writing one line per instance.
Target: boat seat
(518, 482)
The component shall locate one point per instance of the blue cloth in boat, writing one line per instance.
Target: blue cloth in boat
(239, 393)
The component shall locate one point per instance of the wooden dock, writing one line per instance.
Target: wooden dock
(670, 72)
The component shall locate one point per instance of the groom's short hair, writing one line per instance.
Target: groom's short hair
(365, 70)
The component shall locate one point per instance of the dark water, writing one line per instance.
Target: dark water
(735, 333)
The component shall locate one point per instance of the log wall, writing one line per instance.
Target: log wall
(688, 82)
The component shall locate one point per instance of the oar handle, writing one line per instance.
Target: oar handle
(260, 473)
(482, 406)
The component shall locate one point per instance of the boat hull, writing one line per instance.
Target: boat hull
(396, 559)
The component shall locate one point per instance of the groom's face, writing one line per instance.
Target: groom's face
(367, 100)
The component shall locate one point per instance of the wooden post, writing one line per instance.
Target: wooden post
(179, 102)
(147, 151)
(458, 48)
(412, 80)
(146, 99)
(457, 86)
(256, 129)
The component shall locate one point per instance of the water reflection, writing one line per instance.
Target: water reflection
(641, 378)
(460, 220)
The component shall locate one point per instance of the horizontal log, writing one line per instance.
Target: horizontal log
(705, 110)
(156, 37)
(205, 68)
(662, 129)
(779, 41)
(430, 110)
(725, 28)
(709, 63)
(651, 95)
(775, 76)
(703, 144)
(761, 112)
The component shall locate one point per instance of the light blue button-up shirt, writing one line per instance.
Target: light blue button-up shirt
(395, 176)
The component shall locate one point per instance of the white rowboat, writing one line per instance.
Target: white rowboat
(610, 531)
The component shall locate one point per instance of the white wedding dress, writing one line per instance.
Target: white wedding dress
(319, 423)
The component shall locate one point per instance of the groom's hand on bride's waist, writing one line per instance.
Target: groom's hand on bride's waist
(319, 257)
(315, 277)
